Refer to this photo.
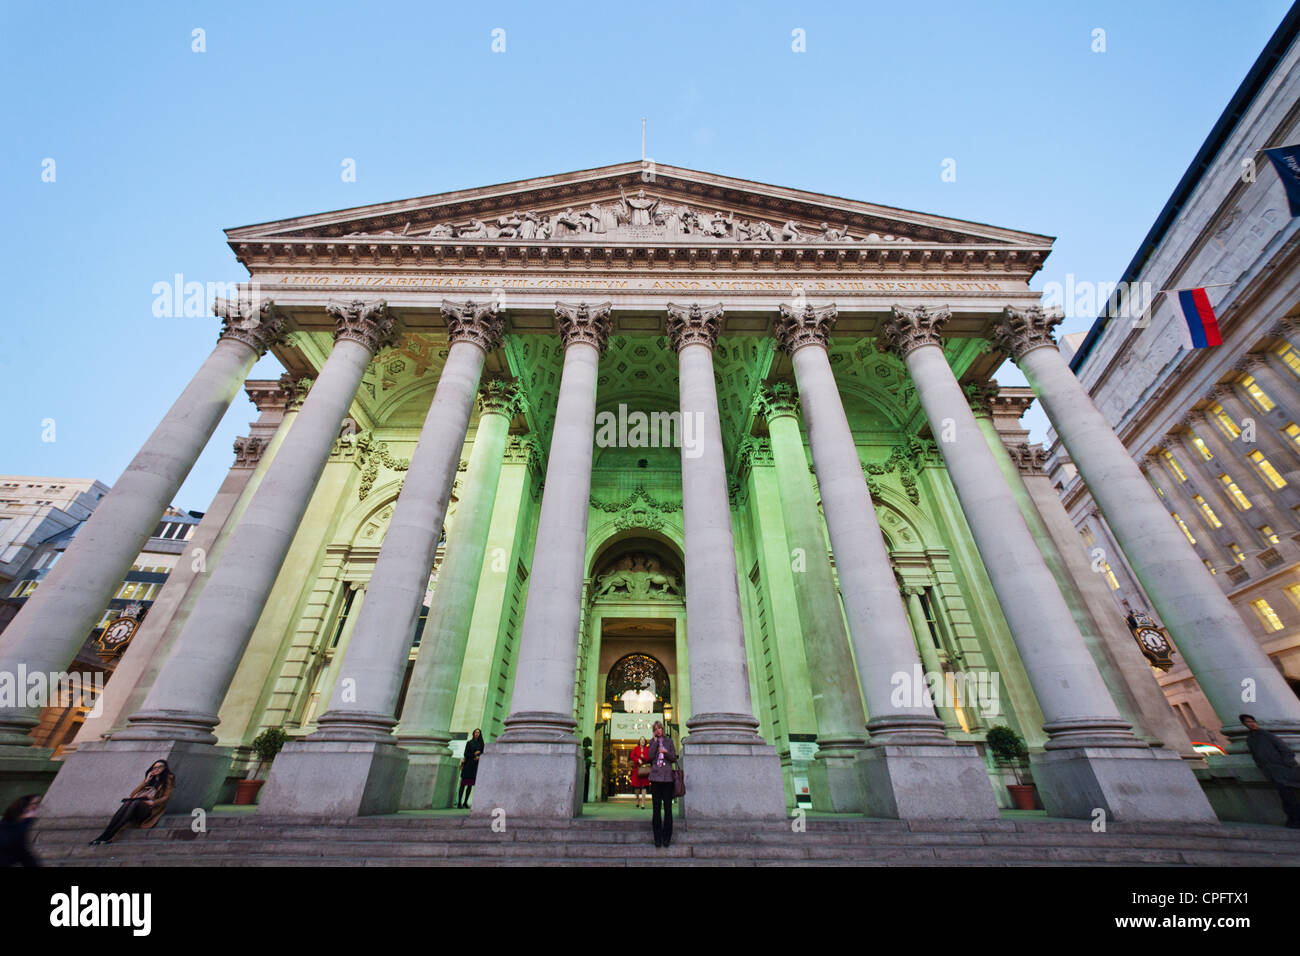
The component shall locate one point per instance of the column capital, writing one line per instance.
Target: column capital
(1249, 363)
(1023, 330)
(981, 396)
(1221, 391)
(1029, 459)
(294, 391)
(249, 450)
(522, 450)
(798, 327)
(775, 399)
(499, 396)
(694, 324)
(370, 324)
(480, 323)
(589, 324)
(909, 329)
(258, 328)
(755, 451)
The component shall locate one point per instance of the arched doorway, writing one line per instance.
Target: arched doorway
(638, 691)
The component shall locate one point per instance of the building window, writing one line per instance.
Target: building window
(1224, 421)
(1292, 431)
(23, 589)
(1182, 524)
(1287, 353)
(1206, 510)
(1208, 566)
(1267, 616)
(1237, 554)
(1172, 462)
(1110, 576)
(1088, 537)
(1199, 444)
(1269, 534)
(1160, 491)
(1257, 394)
(1239, 499)
(1266, 469)
(1293, 592)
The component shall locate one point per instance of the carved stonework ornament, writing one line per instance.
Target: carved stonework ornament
(584, 323)
(638, 510)
(1023, 330)
(1030, 459)
(902, 461)
(909, 329)
(249, 450)
(981, 396)
(777, 398)
(798, 327)
(499, 396)
(259, 328)
(521, 449)
(480, 323)
(370, 324)
(694, 325)
(638, 576)
(294, 391)
(754, 451)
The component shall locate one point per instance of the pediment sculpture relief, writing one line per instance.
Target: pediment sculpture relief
(638, 576)
(639, 216)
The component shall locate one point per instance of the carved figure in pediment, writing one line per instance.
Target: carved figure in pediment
(528, 226)
(475, 229)
(442, 231)
(639, 210)
(761, 232)
(508, 226)
(790, 232)
(566, 223)
(833, 234)
(719, 226)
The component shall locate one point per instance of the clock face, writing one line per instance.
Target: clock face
(1153, 640)
(118, 632)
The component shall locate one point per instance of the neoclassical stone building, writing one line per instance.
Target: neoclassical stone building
(554, 456)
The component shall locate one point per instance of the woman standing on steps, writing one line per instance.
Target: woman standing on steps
(145, 804)
(662, 756)
(640, 769)
(469, 768)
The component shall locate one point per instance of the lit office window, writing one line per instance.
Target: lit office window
(1088, 537)
(1182, 524)
(1224, 421)
(1266, 469)
(1199, 444)
(1208, 566)
(1237, 553)
(1293, 592)
(1287, 353)
(1206, 510)
(1268, 533)
(1292, 431)
(1238, 498)
(1267, 616)
(1110, 576)
(1257, 394)
(1172, 462)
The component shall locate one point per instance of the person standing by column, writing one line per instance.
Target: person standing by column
(469, 767)
(1277, 760)
(662, 754)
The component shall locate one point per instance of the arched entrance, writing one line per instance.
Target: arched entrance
(634, 669)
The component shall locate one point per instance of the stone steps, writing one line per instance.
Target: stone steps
(247, 840)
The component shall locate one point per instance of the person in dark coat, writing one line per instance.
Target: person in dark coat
(1275, 758)
(15, 831)
(662, 756)
(144, 805)
(469, 768)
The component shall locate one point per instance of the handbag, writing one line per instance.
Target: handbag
(679, 783)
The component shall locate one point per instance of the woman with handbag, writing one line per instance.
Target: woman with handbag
(663, 781)
(469, 768)
(640, 771)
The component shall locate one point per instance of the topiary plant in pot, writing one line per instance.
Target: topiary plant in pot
(266, 745)
(1009, 750)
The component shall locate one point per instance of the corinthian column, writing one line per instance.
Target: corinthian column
(734, 771)
(1092, 758)
(180, 711)
(947, 780)
(351, 765)
(58, 617)
(431, 698)
(1226, 660)
(834, 778)
(534, 769)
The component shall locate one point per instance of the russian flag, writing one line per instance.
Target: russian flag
(1200, 318)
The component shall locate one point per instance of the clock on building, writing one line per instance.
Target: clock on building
(117, 635)
(1151, 638)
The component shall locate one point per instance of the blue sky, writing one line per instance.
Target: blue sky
(158, 148)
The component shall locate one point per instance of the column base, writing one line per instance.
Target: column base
(334, 779)
(834, 781)
(431, 779)
(28, 770)
(731, 772)
(926, 782)
(94, 780)
(1129, 784)
(531, 779)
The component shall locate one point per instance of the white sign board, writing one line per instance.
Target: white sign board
(632, 726)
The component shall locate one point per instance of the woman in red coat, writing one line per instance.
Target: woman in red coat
(640, 771)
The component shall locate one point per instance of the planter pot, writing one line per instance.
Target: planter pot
(1023, 795)
(246, 791)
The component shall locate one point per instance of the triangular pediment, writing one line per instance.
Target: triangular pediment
(633, 204)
